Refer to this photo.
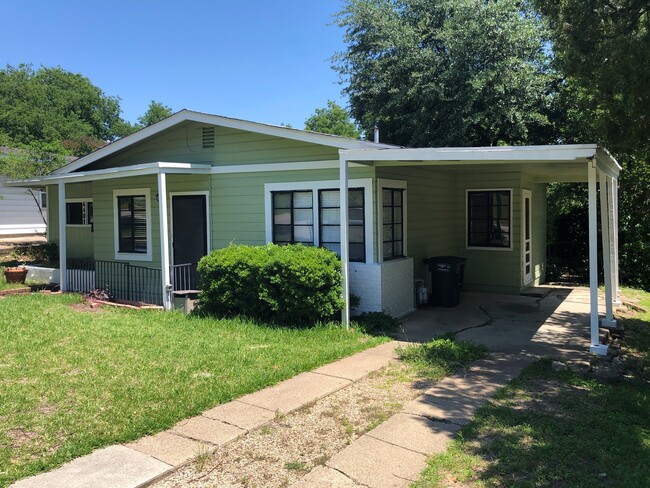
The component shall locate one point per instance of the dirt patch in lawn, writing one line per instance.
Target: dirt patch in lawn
(283, 451)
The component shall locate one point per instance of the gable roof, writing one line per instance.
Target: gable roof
(219, 120)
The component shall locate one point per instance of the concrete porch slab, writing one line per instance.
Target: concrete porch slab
(296, 392)
(111, 466)
(378, 464)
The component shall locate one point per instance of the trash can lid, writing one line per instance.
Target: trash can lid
(444, 259)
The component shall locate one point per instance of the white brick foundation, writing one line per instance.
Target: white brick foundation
(384, 287)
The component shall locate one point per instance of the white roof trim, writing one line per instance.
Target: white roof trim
(118, 172)
(492, 153)
(218, 120)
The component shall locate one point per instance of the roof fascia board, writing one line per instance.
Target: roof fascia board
(474, 154)
(112, 173)
(267, 167)
(607, 163)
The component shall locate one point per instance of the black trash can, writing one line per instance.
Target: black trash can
(447, 274)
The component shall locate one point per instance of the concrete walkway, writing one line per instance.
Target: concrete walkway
(519, 329)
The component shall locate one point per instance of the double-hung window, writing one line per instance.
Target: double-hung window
(330, 222)
(293, 217)
(393, 223)
(132, 224)
(488, 218)
(313, 217)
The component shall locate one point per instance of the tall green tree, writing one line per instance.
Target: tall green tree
(604, 49)
(51, 105)
(448, 72)
(332, 119)
(155, 113)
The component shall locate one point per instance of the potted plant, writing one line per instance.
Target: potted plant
(15, 274)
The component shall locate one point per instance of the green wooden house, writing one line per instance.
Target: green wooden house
(144, 209)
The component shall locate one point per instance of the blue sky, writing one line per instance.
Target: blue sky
(266, 61)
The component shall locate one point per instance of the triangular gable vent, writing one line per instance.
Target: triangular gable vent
(208, 137)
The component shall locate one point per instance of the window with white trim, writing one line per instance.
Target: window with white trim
(293, 217)
(488, 218)
(392, 223)
(132, 224)
(78, 212)
(329, 218)
(294, 220)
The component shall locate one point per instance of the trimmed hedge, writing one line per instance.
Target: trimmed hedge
(293, 285)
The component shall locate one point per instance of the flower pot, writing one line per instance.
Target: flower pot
(15, 274)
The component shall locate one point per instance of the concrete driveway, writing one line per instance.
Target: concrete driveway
(557, 323)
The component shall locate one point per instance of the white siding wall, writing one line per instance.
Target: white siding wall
(19, 212)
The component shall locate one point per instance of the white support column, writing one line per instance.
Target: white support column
(63, 241)
(608, 321)
(613, 211)
(595, 346)
(345, 245)
(164, 240)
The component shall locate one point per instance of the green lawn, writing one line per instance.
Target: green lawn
(73, 379)
(560, 429)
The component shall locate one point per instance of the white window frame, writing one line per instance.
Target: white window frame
(208, 236)
(314, 187)
(85, 201)
(382, 184)
(512, 226)
(130, 256)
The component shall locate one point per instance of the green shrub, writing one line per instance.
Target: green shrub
(294, 285)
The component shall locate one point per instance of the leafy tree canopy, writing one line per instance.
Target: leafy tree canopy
(448, 72)
(604, 49)
(333, 119)
(51, 105)
(155, 113)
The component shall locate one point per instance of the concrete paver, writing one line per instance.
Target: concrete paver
(242, 415)
(208, 430)
(169, 448)
(324, 477)
(99, 469)
(374, 463)
(415, 433)
(295, 392)
(355, 367)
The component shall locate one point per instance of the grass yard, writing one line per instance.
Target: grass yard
(560, 428)
(73, 379)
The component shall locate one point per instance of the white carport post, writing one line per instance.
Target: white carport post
(63, 254)
(613, 219)
(606, 231)
(595, 346)
(345, 246)
(164, 240)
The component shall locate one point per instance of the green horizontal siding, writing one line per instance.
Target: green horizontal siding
(490, 270)
(79, 239)
(237, 204)
(232, 146)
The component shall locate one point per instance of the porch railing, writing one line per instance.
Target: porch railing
(122, 279)
(184, 277)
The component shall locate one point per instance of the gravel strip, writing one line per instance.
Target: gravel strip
(283, 451)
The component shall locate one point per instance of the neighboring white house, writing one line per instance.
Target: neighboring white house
(20, 210)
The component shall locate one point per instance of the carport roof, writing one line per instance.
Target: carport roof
(546, 163)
